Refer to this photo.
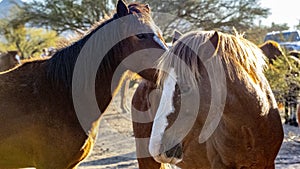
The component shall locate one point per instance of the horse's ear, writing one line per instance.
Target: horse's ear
(122, 9)
(176, 36)
(210, 47)
(215, 40)
(148, 7)
(12, 52)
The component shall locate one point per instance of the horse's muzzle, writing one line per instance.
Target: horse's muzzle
(172, 156)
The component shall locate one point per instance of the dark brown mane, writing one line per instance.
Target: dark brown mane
(61, 65)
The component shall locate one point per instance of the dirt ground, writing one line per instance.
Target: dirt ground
(115, 147)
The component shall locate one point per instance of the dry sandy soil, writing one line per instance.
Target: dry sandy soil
(115, 146)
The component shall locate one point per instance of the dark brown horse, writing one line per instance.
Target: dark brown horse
(295, 54)
(291, 96)
(39, 125)
(216, 108)
(8, 60)
(271, 49)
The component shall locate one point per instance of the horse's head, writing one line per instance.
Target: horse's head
(182, 67)
(271, 49)
(143, 37)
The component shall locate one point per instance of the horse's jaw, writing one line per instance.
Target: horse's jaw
(171, 156)
(163, 158)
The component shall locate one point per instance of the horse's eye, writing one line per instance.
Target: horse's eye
(141, 36)
(185, 89)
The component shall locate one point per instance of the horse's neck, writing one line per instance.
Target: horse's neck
(91, 95)
(103, 91)
(104, 82)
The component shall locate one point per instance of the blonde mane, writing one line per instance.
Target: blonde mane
(240, 57)
(272, 43)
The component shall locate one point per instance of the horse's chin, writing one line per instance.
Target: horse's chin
(171, 156)
(163, 158)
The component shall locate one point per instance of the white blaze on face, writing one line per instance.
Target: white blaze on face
(160, 42)
(165, 108)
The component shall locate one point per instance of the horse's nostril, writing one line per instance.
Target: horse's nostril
(175, 152)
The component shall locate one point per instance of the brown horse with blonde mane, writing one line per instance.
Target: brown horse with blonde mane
(216, 107)
(39, 126)
(8, 60)
(271, 49)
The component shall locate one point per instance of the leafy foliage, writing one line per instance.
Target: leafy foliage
(64, 15)
(185, 15)
(207, 14)
(284, 77)
(28, 41)
(256, 33)
(298, 26)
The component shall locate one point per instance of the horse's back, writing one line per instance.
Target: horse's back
(37, 122)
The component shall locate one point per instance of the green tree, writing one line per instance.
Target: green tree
(278, 27)
(28, 41)
(298, 26)
(208, 14)
(65, 15)
(257, 33)
(283, 76)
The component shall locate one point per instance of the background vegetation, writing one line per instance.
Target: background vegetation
(28, 41)
(283, 76)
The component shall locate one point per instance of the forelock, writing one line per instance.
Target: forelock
(138, 8)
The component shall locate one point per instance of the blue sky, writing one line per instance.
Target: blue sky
(282, 11)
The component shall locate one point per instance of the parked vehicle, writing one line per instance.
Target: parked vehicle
(289, 40)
